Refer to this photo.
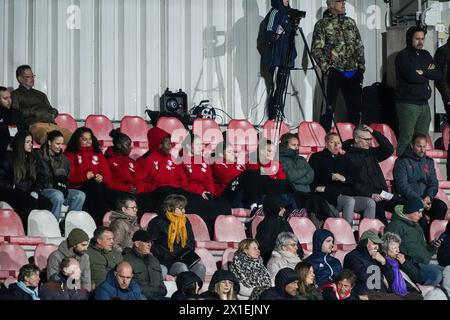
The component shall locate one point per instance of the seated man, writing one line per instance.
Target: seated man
(119, 285)
(405, 224)
(39, 115)
(11, 120)
(341, 288)
(415, 177)
(286, 286)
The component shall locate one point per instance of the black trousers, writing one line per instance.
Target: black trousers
(99, 200)
(351, 90)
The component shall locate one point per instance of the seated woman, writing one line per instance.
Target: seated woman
(285, 254)
(20, 178)
(307, 288)
(248, 267)
(55, 174)
(174, 244)
(90, 173)
(27, 285)
(223, 286)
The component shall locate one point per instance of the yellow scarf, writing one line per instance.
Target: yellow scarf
(177, 230)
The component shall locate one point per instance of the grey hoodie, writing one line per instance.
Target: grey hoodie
(437, 293)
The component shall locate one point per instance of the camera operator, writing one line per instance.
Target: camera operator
(339, 51)
(276, 60)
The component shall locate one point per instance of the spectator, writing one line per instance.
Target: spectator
(326, 267)
(124, 222)
(90, 173)
(66, 284)
(414, 68)
(248, 267)
(55, 168)
(443, 254)
(286, 286)
(75, 246)
(405, 224)
(174, 243)
(274, 223)
(285, 254)
(342, 287)
(307, 288)
(442, 292)
(339, 51)
(369, 178)
(119, 285)
(415, 177)
(11, 120)
(334, 180)
(27, 285)
(406, 274)
(102, 255)
(188, 286)
(223, 286)
(34, 105)
(442, 58)
(146, 268)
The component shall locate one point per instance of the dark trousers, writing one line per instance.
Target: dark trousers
(383, 206)
(277, 92)
(438, 211)
(351, 90)
(99, 200)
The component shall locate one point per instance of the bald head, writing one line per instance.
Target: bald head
(124, 274)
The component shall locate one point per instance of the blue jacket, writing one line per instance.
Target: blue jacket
(110, 290)
(415, 177)
(326, 267)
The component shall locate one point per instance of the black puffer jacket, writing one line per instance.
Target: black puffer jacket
(184, 279)
(282, 279)
(9, 117)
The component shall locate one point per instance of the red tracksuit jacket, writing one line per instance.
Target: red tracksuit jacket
(198, 177)
(123, 170)
(273, 169)
(224, 174)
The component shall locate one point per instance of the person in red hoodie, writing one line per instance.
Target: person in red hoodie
(90, 173)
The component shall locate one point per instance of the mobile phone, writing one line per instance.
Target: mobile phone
(442, 237)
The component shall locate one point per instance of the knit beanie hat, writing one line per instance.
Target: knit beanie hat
(413, 205)
(75, 237)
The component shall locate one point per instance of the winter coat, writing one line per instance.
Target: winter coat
(123, 170)
(10, 117)
(369, 178)
(415, 177)
(26, 185)
(224, 174)
(51, 166)
(326, 267)
(443, 254)
(157, 169)
(102, 262)
(329, 292)
(147, 273)
(16, 293)
(275, 51)
(55, 258)
(337, 43)
(413, 243)
(87, 160)
(280, 260)
(437, 293)
(33, 105)
(197, 177)
(218, 276)
(123, 226)
(110, 290)
(158, 230)
(359, 261)
(442, 58)
(282, 279)
(56, 289)
(324, 164)
(413, 88)
(298, 171)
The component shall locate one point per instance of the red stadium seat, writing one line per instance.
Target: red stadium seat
(65, 120)
(227, 258)
(387, 166)
(274, 130)
(343, 234)
(311, 136)
(437, 228)
(374, 225)
(146, 218)
(11, 229)
(244, 138)
(201, 234)
(42, 252)
(446, 137)
(345, 129)
(207, 260)
(387, 132)
(12, 257)
(136, 128)
(107, 219)
(229, 229)
(435, 153)
(442, 196)
(255, 222)
(304, 230)
(101, 126)
(443, 184)
(340, 255)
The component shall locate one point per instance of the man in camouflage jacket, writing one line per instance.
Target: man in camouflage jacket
(338, 50)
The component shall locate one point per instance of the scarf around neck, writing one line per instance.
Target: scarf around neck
(399, 284)
(34, 293)
(177, 230)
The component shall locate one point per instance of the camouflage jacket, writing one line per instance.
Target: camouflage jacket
(337, 43)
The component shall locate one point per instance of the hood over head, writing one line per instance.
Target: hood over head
(319, 237)
(283, 278)
(155, 136)
(221, 275)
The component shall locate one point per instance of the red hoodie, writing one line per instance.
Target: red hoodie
(157, 170)
(198, 177)
(224, 174)
(87, 160)
(123, 170)
(273, 169)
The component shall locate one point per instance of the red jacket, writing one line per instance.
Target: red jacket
(123, 170)
(273, 169)
(87, 160)
(157, 170)
(224, 174)
(198, 177)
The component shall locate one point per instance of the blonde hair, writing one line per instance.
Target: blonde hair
(231, 295)
(245, 244)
